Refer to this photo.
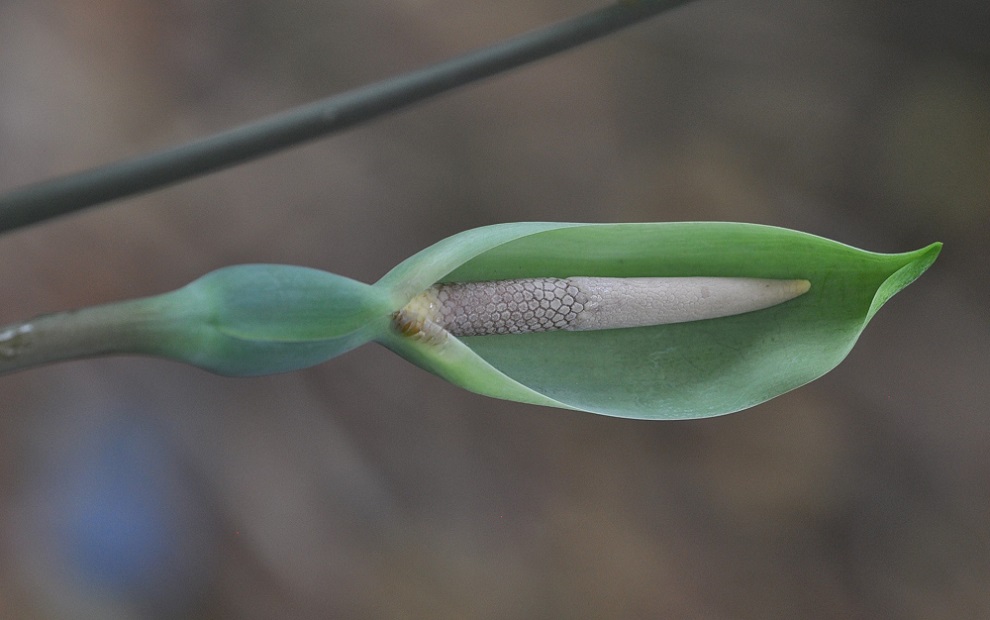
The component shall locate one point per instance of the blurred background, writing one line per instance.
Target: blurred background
(366, 488)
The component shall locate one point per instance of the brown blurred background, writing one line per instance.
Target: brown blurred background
(366, 488)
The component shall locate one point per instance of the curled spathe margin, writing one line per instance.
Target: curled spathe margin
(686, 370)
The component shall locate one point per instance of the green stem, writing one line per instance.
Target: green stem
(48, 199)
(129, 327)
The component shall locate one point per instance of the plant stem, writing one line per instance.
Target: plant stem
(128, 327)
(74, 192)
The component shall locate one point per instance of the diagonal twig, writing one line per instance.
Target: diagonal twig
(48, 199)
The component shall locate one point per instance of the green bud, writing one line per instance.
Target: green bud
(654, 321)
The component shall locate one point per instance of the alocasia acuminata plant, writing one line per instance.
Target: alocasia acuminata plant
(717, 346)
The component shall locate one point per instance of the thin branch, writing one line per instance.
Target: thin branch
(48, 199)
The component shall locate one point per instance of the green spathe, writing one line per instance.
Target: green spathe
(686, 370)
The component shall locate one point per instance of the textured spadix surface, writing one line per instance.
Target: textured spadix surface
(684, 370)
(582, 303)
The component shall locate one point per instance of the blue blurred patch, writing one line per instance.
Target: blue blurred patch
(129, 525)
